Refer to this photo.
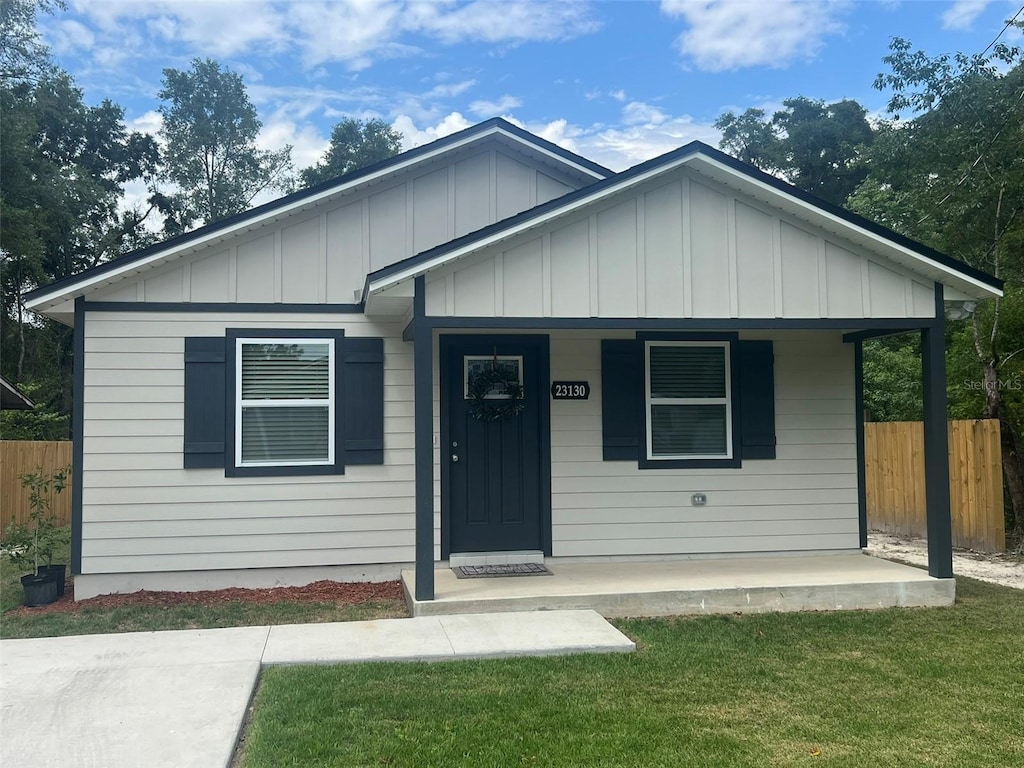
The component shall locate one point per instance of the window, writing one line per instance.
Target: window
(284, 402)
(688, 408)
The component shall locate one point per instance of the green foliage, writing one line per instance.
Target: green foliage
(952, 176)
(892, 375)
(34, 425)
(22, 55)
(35, 542)
(63, 165)
(210, 129)
(816, 146)
(97, 619)
(354, 144)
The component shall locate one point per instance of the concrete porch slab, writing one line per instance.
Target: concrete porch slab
(846, 581)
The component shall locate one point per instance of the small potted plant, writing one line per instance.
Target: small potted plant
(34, 543)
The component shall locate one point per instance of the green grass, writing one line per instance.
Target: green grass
(90, 621)
(936, 687)
(144, 618)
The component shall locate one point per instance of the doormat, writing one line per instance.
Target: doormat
(494, 571)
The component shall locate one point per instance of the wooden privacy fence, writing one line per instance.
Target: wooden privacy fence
(18, 457)
(894, 464)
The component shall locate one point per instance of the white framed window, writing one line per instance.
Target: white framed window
(284, 402)
(688, 390)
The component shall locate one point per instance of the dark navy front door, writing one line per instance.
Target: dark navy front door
(497, 482)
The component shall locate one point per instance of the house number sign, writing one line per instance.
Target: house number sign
(570, 390)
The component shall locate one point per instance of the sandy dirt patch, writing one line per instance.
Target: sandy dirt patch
(999, 568)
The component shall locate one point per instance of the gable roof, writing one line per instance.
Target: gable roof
(12, 398)
(66, 288)
(726, 169)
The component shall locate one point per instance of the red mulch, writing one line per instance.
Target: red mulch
(317, 592)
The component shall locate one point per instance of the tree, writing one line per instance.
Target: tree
(816, 146)
(354, 145)
(952, 176)
(22, 55)
(63, 166)
(210, 129)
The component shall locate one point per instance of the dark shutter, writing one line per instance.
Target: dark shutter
(205, 402)
(756, 370)
(622, 398)
(362, 394)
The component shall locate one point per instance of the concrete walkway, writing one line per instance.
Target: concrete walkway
(178, 699)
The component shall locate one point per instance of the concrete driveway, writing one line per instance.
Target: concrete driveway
(178, 699)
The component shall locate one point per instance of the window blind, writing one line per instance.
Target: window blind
(285, 371)
(685, 372)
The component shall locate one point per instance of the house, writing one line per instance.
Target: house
(12, 398)
(491, 346)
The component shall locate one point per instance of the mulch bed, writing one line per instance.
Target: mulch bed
(317, 592)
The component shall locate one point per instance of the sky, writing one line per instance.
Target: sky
(619, 82)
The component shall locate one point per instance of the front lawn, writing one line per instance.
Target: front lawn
(937, 687)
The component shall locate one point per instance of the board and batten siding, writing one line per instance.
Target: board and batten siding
(804, 500)
(685, 247)
(142, 512)
(324, 254)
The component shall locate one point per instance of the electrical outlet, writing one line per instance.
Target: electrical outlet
(699, 499)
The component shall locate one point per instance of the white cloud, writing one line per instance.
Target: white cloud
(962, 13)
(511, 21)
(484, 108)
(619, 95)
(450, 89)
(637, 112)
(70, 35)
(148, 122)
(617, 147)
(414, 137)
(308, 146)
(731, 34)
(356, 32)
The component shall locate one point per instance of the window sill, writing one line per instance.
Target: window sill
(285, 471)
(733, 463)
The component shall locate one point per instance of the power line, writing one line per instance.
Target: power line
(1006, 27)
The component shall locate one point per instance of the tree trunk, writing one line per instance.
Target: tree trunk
(1013, 470)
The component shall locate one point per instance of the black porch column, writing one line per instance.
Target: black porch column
(423, 380)
(936, 444)
(862, 488)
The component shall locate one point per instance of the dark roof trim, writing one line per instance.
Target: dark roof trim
(694, 147)
(12, 398)
(287, 200)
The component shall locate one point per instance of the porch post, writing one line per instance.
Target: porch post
(423, 380)
(936, 443)
(858, 399)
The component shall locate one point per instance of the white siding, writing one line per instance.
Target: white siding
(142, 512)
(324, 254)
(805, 499)
(683, 248)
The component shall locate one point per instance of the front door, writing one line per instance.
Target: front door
(495, 454)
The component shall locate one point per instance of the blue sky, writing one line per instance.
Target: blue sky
(619, 82)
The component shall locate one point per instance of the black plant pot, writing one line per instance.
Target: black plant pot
(59, 573)
(39, 590)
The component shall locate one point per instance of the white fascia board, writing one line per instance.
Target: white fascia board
(560, 159)
(505, 234)
(44, 302)
(882, 243)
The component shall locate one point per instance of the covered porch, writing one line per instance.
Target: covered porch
(848, 581)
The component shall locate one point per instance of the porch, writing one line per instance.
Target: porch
(848, 581)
